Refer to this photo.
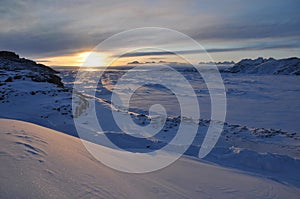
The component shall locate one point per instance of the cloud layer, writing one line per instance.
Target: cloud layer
(51, 28)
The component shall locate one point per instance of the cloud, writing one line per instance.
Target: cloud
(250, 20)
(50, 28)
(42, 61)
(214, 50)
(157, 58)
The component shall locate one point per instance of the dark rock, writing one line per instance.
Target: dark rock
(13, 62)
(8, 54)
(55, 80)
(9, 79)
(10, 61)
(38, 78)
(297, 73)
(18, 77)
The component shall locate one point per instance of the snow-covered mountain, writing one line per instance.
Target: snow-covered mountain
(288, 66)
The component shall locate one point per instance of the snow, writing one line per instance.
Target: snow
(266, 101)
(289, 66)
(259, 148)
(34, 93)
(269, 152)
(37, 162)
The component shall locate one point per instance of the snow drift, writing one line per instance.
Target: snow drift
(37, 162)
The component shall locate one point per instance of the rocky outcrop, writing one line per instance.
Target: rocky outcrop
(9, 55)
(35, 93)
(17, 68)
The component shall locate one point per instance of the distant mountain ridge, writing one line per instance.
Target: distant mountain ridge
(287, 66)
(218, 63)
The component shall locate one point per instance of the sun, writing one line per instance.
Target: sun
(92, 59)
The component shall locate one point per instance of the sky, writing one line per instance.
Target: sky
(65, 32)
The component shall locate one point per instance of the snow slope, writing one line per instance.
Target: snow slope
(289, 66)
(37, 162)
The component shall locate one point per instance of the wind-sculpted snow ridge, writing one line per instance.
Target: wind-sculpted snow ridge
(288, 66)
(37, 162)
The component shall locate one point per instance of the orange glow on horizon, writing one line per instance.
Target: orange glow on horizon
(77, 59)
(98, 59)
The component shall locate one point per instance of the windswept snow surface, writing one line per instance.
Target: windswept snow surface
(266, 101)
(265, 140)
(38, 162)
(261, 136)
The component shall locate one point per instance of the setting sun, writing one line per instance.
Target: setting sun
(91, 59)
(77, 59)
